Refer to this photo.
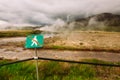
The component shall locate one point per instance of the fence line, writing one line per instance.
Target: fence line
(80, 62)
(59, 60)
(9, 63)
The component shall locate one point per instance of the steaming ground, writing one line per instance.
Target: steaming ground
(85, 40)
(96, 45)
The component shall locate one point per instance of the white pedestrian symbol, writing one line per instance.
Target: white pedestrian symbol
(34, 41)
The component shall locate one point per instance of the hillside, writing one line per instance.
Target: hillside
(108, 19)
(103, 21)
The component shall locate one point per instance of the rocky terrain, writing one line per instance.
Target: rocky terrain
(99, 22)
(103, 21)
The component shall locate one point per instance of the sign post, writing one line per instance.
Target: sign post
(35, 41)
(36, 57)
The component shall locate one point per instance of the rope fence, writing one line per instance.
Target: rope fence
(59, 60)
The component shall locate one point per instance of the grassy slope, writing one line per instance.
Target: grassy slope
(58, 71)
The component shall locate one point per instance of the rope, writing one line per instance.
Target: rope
(59, 60)
(5, 64)
(89, 63)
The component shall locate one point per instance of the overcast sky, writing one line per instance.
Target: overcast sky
(47, 11)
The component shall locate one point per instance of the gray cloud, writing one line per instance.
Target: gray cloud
(47, 11)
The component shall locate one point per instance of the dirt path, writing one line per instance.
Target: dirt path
(11, 39)
(12, 52)
(20, 53)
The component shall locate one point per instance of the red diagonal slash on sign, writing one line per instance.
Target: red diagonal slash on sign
(34, 40)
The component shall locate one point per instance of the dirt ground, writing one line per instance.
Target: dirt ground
(82, 40)
(97, 41)
(20, 53)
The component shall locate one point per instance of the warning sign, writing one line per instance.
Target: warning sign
(34, 41)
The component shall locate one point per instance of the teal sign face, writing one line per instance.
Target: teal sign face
(34, 41)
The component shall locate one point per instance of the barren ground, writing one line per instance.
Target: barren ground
(97, 41)
(97, 45)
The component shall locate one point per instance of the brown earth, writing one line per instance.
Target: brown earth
(95, 41)
(104, 42)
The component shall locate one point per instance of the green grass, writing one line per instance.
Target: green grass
(81, 48)
(17, 33)
(57, 71)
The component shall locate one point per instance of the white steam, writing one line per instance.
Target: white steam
(58, 26)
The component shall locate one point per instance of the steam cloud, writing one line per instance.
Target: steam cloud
(37, 12)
